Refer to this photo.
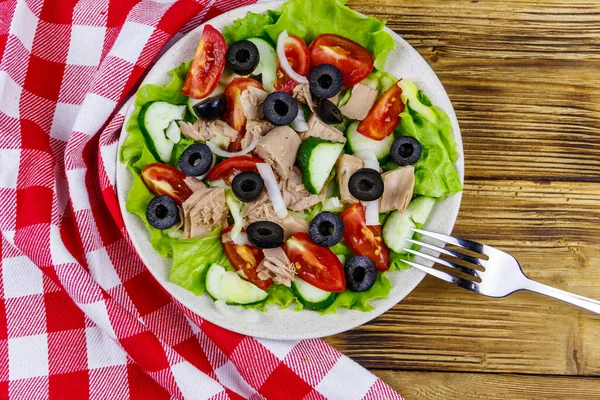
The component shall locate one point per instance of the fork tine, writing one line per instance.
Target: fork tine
(443, 275)
(464, 257)
(466, 270)
(465, 244)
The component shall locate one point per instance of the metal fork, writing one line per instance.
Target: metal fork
(498, 276)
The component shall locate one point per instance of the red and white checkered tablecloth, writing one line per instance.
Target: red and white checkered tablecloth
(80, 315)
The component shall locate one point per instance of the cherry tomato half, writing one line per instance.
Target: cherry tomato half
(365, 240)
(230, 167)
(164, 179)
(234, 115)
(315, 264)
(354, 61)
(384, 116)
(207, 66)
(298, 56)
(245, 258)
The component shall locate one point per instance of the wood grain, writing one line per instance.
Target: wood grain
(553, 228)
(427, 386)
(523, 78)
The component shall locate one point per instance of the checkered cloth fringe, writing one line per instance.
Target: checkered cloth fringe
(80, 315)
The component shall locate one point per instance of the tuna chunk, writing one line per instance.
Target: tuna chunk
(179, 222)
(194, 183)
(255, 129)
(292, 225)
(294, 193)
(320, 129)
(262, 210)
(302, 95)
(277, 266)
(252, 99)
(203, 211)
(203, 131)
(398, 189)
(259, 210)
(347, 165)
(279, 148)
(360, 103)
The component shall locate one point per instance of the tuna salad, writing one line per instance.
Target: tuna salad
(283, 165)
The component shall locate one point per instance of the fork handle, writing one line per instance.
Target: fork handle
(580, 301)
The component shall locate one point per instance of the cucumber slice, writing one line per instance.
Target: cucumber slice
(421, 208)
(154, 119)
(311, 297)
(173, 132)
(397, 231)
(219, 90)
(397, 228)
(228, 286)
(380, 81)
(267, 66)
(316, 158)
(358, 141)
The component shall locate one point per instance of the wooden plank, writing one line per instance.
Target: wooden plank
(523, 76)
(464, 386)
(553, 228)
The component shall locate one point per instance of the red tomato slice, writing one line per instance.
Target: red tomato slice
(162, 179)
(245, 258)
(365, 240)
(354, 61)
(207, 66)
(230, 167)
(298, 57)
(384, 116)
(315, 264)
(234, 115)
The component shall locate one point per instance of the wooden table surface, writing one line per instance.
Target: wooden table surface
(524, 79)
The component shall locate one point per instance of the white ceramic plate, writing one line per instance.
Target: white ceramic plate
(404, 62)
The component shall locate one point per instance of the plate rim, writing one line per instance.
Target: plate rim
(361, 318)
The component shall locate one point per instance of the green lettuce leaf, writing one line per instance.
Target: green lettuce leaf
(361, 301)
(192, 257)
(435, 174)
(252, 25)
(395, 261)
(280, 295)
(341, 249)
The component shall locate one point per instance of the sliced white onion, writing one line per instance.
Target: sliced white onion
(266, 172)
(228, 154)
(299, 124)
(237, 314)
(240, 239)
(283, 61)
(372, 207)
(372, 213)
(369, 158)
